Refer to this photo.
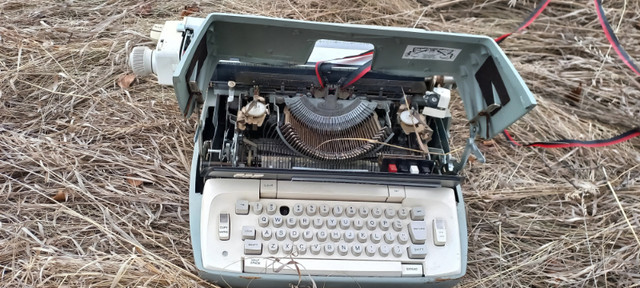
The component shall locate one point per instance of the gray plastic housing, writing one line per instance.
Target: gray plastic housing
(493, 99)
(493, 93)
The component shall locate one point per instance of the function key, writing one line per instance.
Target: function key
(417, 213)
(242, 207)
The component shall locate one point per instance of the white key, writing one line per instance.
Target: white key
(335, 236)
(281, 234)
(304, 222)
(329, 248)
(371, 224)
(311, 209)
(397, 225)
(315, 248)
(273, 247)
(351, 211)
(356, 249)
(248, 232)
(403, 213)
(256, 207)
(332, 223)
(390, 213)
(252, 247)
(417, 213)
(266, 234)
(363, 212)
(321, 235)
(418, 231)
(389, 237)
(263, 221)
(343, 249)
(411, 270)
(403, 237)
(358, 224)
(362, 237)
(242, 207)
(287, 247)
(277, 221)
(417, 251)
(413, 169)
(345, 223)
(326, 267)
(301, 248)
(376, 237)
(307, 235)
(324, 210)
(349, 236)
(337, 210)
(317, 223)
(370, 250)
(376, 212)
(291, 222)
(298, 209)
(294, 235)
(384, 224)
(384, 249)
(397, 251)
(272, 208)
(224, 226)
(439, 232)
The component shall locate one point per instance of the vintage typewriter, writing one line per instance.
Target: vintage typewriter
(322, 152)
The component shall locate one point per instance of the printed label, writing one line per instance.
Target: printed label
(430, 53)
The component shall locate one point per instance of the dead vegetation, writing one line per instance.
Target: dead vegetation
(94, 165)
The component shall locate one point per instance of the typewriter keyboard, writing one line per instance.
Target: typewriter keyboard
(321, 237)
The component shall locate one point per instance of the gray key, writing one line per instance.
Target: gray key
(418, 231)
(417, 251)
(417, 213)
(248, 232)
(242, 207)
(252, 247)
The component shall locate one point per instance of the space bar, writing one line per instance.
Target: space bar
(323, 267)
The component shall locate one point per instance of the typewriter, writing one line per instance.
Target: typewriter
(322, 154)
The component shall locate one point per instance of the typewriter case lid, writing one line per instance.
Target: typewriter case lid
(493, 93)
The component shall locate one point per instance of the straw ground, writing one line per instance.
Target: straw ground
(94, 177)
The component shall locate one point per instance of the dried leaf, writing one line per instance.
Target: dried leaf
(188, 10)
(124, 81)
(61, 195)
(576, 94)
(488, 143)
(144, 10)
(132, 181)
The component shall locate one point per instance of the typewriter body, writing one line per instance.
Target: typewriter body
(322, 150)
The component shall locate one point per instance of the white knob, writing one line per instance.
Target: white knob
(140, 60)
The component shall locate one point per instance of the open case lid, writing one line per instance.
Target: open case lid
(493, 93)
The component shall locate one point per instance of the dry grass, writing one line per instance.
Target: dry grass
(119, 157)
